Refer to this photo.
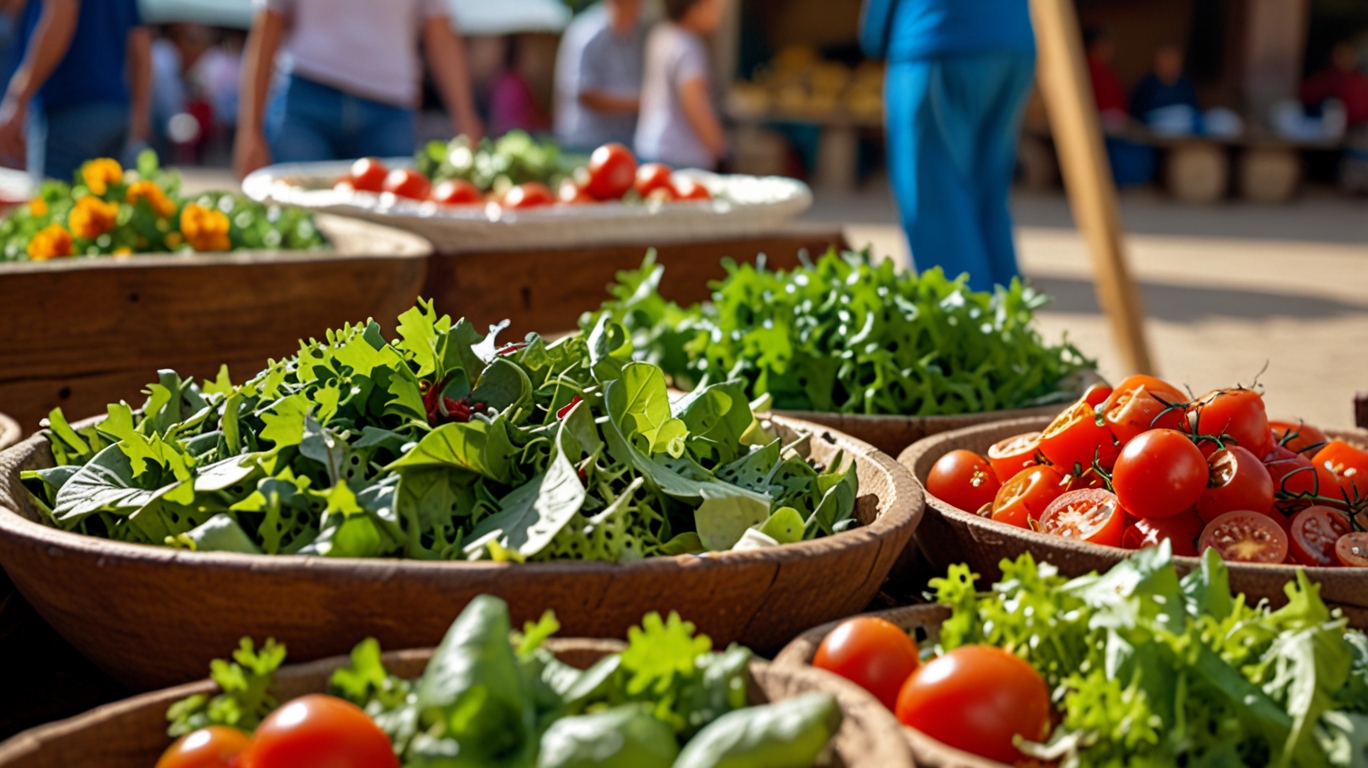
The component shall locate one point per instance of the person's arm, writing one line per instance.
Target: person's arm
(875, 19)
(446, 57)
(139, 85)
(697, 104)
(593, 76)
(601, 101)
(46, 49)
(251, 151)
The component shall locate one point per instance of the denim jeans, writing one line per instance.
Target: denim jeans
(308, 121)
(60, 140)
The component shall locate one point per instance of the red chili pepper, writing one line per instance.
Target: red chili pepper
(511, 348)
(561, 414)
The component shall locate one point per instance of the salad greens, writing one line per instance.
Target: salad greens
(1149, 669)
(438, 445)
(492, 698)
(851, 336)
(494, 164)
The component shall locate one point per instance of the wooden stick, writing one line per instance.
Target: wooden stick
(1087, 176)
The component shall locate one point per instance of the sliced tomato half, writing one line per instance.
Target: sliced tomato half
(1091, 515)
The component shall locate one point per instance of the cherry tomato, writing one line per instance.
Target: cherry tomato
(1235, 480)
(1352, 550)
(318, 731)
(686, 188)
(1298, 436)
(1315, 530)
(216, 746)
(406, 182)
(1097, 394)
(612, 171)
(1237, 413)
(873, 653)
(1294, 475)
(530, 195)
(368, 174)
(456, 192)
(1075, 438)
(1246, 537)
(1141, 403)
(963, 479)
(1023, 499)
(1091, 515)
(651, 177)
(1342, 470)
(1159, 474)
(1182, 532)
(1014, 454)
(977, 698)
(571, 193)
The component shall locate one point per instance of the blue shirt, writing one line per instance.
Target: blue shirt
(95, 67)
(907, 30)
(1153, 93)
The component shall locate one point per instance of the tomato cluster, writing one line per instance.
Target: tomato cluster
(976, 698)
(1143, 463)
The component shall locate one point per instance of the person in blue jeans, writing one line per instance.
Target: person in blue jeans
(959, 74)
(82, 88)
(352, 87)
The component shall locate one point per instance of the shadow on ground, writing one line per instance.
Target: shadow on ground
(1185, 304)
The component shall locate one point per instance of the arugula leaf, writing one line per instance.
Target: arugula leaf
(534, 513)
(245, 697)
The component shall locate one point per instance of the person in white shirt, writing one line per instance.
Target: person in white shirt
(354, 74)
(678, 125)
(598, 76)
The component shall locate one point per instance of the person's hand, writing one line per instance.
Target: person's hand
(13, 122)
(250, 153)
(469, 125)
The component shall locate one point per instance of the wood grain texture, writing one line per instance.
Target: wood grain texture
(547, 291)
(80, 333)
(948, 535)
(132, 733)
(154, 616)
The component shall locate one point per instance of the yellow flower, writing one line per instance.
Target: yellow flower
(92, 217)
(38, 206)
(52, 241)
(153, 194)
(99, 174)
(173, 240)
(123, 250)
(206, 229)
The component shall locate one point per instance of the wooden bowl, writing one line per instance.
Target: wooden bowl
(10, 432)
(132, 733)
(82, 332)
(950, 535)
(155, 616)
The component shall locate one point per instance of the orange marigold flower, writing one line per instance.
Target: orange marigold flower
(99, 174)
(206, 229)
(50, 242)
(38, 206)
(92, 217)
(155, 197)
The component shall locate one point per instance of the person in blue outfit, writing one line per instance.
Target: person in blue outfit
(82, 88)
(1165, 87)
(959, 74)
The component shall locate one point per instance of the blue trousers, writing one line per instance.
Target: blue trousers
(61, 140)
(308, 121)
(952, 130)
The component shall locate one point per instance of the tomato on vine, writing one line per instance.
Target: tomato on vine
(1298, 436)
(1141, 403)
(1236, 414)
(1235, 480)
(963, 479)
(1159, 474)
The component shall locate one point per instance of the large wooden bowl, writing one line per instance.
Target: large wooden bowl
(950, 535)
(132, 733)
(155, 616)
(79, 333)
(10, 431)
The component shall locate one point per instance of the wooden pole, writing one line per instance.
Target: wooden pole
(1087, 176)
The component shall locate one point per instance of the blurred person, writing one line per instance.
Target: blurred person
(1342, 81)
(83, 86)
(598, 76)
(959, 74)
(175, 54)
(512, 104)
(352, 87)
(1131, 163)
(677, 124)
(1164, 87)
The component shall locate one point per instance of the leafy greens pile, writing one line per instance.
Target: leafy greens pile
(1152, 670)
(846, 335)
(437, 446)
(491, 698)
(493, 164)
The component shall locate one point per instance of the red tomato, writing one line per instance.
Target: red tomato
(1075, 438)
(1142, 403)
(1343, 471)
(1023, 499)
(686, 188)
(1235, 480)
(214, 747)
(406, 182)
(963, 479)
(1293, 475)
(368, 174)
(1246, 537)
(651, 177)
(571, 193)
(1159, 474)
(612, 171)
(872, 653)
(1351, 550)
(530, 195)
(977, 698)
(318, 731)
(1097, 394)
(1315, 530)
(456, 192)
(1092, 515)
(1014, 454)
(1298, 436)
(1182, 531)
(1236, 413)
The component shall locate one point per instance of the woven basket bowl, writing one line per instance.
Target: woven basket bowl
(155, 616)
(132, 733)
(950, 535)
(9, 432)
